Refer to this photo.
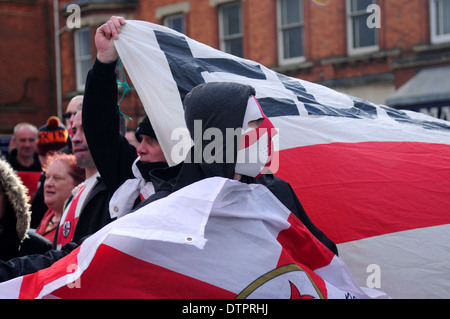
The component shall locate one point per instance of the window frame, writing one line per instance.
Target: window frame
(434, 37)
(351, 49)
(170, 17)
(224, 38)
(79, 58)
(280, 36)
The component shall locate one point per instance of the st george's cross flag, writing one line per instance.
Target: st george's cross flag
(375, 180)
(372, 178)
(217, 238)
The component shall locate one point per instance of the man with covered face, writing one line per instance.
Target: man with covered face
(222, 106)
(229, 106)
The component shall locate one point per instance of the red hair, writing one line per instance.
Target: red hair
(77, 173)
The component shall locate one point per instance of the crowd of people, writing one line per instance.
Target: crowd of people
(91, 172)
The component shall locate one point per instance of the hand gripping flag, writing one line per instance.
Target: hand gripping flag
(217, 238)
(376, 180)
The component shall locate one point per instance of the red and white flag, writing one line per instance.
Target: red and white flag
(217, 238)
(376, 180)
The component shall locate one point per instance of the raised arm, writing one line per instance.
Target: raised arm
(112, 153)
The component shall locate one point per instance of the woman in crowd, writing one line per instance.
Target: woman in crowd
(62, 175)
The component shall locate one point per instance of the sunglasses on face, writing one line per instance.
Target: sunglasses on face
(68, 115)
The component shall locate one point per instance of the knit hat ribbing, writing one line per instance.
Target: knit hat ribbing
(52, 136)
(145, 128)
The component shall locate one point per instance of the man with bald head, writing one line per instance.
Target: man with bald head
(24, 157)
(74, 105)
(71, 110)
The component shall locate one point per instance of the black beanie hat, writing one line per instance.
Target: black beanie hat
(145, 128)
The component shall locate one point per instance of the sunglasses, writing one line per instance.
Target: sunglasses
(68, 115)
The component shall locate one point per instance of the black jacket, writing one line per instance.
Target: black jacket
(12, 159)
(112, 154)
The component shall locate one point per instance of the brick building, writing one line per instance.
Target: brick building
(382, 50)
(27, 69)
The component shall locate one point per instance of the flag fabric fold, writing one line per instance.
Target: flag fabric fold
(369, 176)
(217, 238)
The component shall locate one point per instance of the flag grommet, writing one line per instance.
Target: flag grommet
(189, 239)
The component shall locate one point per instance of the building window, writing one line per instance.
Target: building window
(360, 37)
(291, 43)
(230, 28)
(82, 56)
(175, 22)
(440, 21)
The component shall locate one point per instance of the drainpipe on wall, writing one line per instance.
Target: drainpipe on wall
(57, 59)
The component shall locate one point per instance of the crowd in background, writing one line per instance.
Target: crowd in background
(43, 172)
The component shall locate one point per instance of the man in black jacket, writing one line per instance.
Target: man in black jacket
(24, 156)
(223, 106)
(125, 174)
